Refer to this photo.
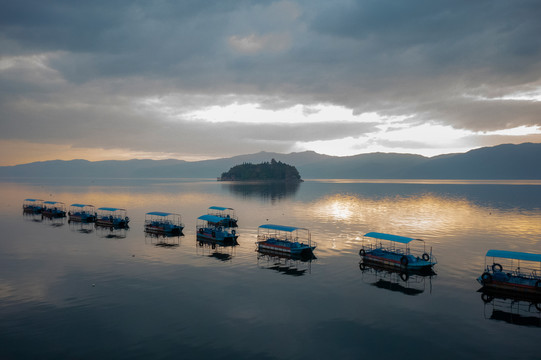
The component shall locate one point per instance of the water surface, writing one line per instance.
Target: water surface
(76, 291)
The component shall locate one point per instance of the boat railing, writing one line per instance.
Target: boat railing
(159, 222)
(528, 274)
(392, 249)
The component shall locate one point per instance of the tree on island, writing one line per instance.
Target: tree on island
(266, 171)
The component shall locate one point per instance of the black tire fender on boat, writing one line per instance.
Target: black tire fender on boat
(486, 277)
(362, 252)
(233, 232)
(404, 260)
(404, 276)
(201, 230)
(213, 246)
(497, 267)
(426, 257)
(362, 266)
(200, 243)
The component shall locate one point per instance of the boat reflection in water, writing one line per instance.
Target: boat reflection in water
(512, 308)
(111, 232)
(82, 227)
(287, 264)
(406, 281)
(166, 240)
(223, 251)
(32, 217)
(55, 221)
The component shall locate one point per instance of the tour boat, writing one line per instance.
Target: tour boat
(114, 217)
(284, 239)
(33, 206)
(391, 254)
(54, 209)
(82, 212)
(520, 272)
(215, 228)
(166, 223)
(227, 213)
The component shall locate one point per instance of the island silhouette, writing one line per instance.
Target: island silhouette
(265, 171)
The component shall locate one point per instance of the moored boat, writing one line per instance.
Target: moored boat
(114, 217)
(54, 209)
(401, 256)
(512, 271)
(230, 219)
(284, 239)
(33, 206)
(214, 228)
(157, 222)
(82, 213)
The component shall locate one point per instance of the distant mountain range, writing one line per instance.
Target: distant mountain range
(499, 162)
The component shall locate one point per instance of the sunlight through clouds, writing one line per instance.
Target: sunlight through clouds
(255, 113)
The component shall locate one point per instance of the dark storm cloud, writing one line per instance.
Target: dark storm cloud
(431, 61)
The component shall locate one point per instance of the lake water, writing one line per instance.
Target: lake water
(77, 292)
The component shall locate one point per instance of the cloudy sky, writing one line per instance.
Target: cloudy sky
(193, 79)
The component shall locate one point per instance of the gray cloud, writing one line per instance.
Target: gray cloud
(430, 61)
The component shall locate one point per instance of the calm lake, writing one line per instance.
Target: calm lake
(74, 291)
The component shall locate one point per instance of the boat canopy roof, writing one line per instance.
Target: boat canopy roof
(219, 208)
(211, 218)
(52, 202)
(81, 205)
(281, 227)
(395, 238)
(111, 209)
(514, 255)
(33, 200)
(159, 213)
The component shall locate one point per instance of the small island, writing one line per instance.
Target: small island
(266, 171)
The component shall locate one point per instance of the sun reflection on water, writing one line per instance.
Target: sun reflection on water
(426, 216)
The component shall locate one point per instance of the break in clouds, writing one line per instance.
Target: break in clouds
(130, 75)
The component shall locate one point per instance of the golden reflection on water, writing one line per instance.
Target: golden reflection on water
(424, 215)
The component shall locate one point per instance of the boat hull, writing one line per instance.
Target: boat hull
(216, 236)
(53, 214)
(164, 230)
(510, 284)
(284, 248)
(117, 223)
(396, 260)
(82, 218)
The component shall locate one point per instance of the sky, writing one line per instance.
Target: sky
(197, 80)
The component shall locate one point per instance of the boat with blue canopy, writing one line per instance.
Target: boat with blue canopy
(163, 223)
(112, 217)
(212, 228)
(396, 252)
(82, 213)
(285, 239)
(224, 212)
(54, 209)
(33, 206)
(512, 271)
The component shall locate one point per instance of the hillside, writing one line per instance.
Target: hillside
(499, 162)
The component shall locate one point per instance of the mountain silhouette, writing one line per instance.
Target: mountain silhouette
(503, 162)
